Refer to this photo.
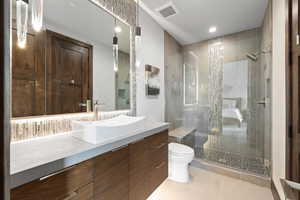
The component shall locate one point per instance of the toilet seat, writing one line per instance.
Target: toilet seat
(180, 150)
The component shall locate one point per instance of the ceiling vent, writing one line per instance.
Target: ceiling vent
(167, 10)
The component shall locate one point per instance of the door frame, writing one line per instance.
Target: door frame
(292, 105)
(5, 107)
(289, 108)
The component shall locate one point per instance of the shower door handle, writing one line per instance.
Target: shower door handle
(262, 102)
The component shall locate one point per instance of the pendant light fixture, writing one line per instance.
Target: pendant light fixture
(22, 21)
(115, 50)
(138, 29)
(138, 37)
(37, 14)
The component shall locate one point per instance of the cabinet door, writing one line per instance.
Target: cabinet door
(111, 179)
(138, 170)
(158, 159)
(67, 184)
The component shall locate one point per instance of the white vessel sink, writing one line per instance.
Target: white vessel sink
(105, 131)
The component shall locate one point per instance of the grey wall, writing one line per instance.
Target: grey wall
(173, 81)
(123, 82)
(266, 64)
(152, 53)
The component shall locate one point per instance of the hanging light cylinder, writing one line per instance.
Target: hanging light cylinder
(22, 22)
(37, 14)
(116, 53)
(138, 29)
(138, 36)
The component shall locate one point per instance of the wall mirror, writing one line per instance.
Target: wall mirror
(72, 62)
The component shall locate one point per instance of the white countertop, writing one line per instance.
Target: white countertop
(36, 158)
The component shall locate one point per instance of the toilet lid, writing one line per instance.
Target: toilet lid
(180, 149)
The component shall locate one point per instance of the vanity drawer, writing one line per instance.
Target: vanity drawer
(157, 175)
(158, 160)
(138, 159)
(158, 141)
(84, 193)
(111, 179)
(138, 170)
(158, 156)
(57, 186)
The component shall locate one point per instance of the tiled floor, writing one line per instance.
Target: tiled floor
(207, 185)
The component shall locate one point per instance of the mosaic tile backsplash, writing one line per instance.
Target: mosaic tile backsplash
(28, 128)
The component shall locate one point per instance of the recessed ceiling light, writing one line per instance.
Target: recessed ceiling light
(72, 4)
(118, 29)
(212, 29)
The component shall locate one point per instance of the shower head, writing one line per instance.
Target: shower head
(252, 56)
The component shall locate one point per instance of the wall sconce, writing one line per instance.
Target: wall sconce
(138, 37)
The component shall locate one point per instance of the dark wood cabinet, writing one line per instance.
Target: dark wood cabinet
(71, 183)
(158, 154)
(148, 165)
(111, 179)
(132, 172)
(138, 168)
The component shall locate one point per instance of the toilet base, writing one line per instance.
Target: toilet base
(179, 172)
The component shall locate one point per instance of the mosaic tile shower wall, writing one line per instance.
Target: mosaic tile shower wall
(215, 86)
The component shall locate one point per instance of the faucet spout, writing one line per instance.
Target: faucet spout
(97, 114)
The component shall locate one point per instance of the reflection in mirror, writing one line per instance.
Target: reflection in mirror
(69, 64)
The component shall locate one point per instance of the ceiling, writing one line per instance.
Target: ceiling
(87, 20)
(195, 17)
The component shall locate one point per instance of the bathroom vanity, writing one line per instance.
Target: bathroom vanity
(131, 168)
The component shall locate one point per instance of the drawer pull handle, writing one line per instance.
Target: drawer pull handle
(161, 145)
(119, 148)
(160, 165)
(71, 196)
(56, 173)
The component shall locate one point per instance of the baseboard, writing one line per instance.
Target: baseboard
(274, 191)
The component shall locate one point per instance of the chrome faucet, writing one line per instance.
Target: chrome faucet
(97, 111)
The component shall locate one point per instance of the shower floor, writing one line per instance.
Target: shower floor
(231, 150)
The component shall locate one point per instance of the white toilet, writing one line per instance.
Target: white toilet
(179, 158)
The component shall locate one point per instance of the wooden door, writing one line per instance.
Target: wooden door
(293, 97)
(69, 74)
(28, 76)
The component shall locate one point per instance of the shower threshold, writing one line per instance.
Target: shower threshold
(231, 172)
